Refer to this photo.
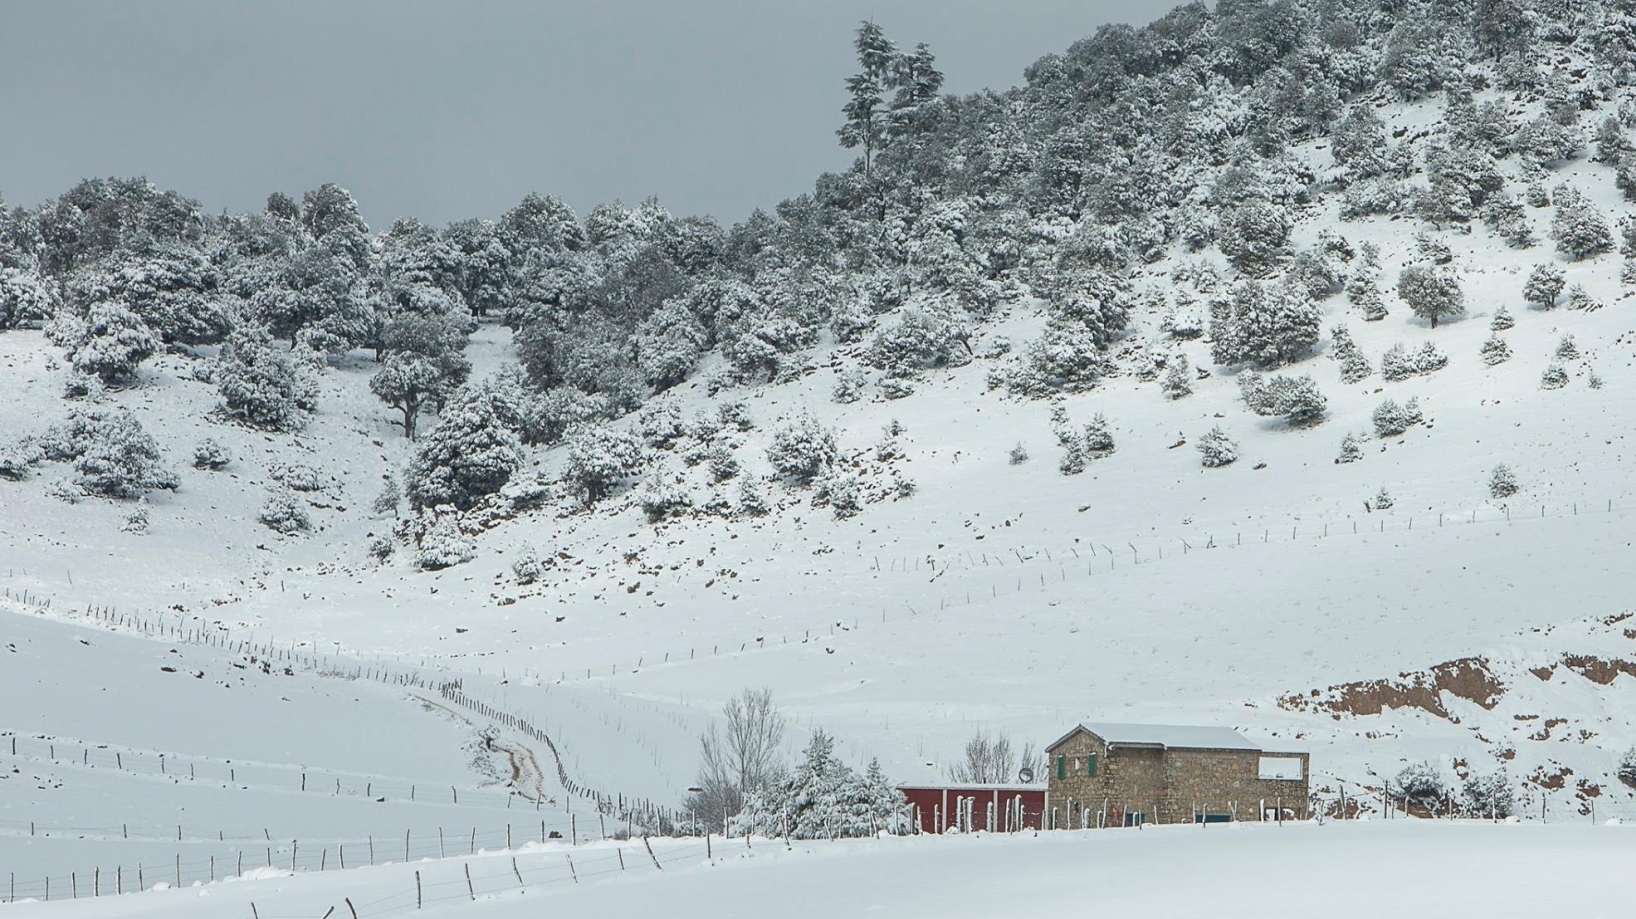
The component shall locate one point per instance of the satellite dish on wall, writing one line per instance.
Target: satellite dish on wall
(1025, 775)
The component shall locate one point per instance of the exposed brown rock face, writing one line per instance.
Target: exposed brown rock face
(1598, 669)
(1467, 678)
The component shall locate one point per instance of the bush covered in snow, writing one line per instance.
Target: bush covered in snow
(920, 338)
(599, 459)
(1399, 363)
(444, 545)
(1018, 454)
(113, 456)
(1502, 320)
(299, 477)
(1217, 448)
(1495, 351)
(211, 454)
(109, 343)
(1354, 364)
(526, 567)
(1421, 787)
(1351, 450)
(1295, 399)
(471, 454)
(1178, 379)
(284, 512)
(1567, 349)
(1627, 768)
(1489, 796)
(1383, 500)
(1432, 293)
(1502, 482)
(1544, 285)
(661, 496)
(802, 449)
(262, 384)
(1392, 419)
(1554, 377)
(822, 798)
(1264, 324)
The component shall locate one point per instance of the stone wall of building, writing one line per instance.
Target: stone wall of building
(1169, 786)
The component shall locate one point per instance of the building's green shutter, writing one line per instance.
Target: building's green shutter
(1062, 767)
(1090, 767)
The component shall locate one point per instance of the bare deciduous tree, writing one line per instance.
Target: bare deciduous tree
(740, 758)
(991, 759)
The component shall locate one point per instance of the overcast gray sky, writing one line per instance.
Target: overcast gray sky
(452, 110)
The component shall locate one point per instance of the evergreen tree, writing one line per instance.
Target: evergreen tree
(1217, 448)
(1544, 285)
(109, 344)
(600, 458)
(865, 121)
(918, 81)
(263, 385)
(469, 455)
(1178, 378)
(1431, 293)
(423, 365)
(802, 450)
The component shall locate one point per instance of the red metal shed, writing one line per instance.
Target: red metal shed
(970, 807)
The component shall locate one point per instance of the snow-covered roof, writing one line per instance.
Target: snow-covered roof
(1180, 736)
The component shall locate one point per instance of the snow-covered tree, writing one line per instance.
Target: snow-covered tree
(263, 385)
(387, 501)
(422, 365)
(284, 512)
(109, 343)
(917, 339)
(1383, 500)
(1489, 796)
(1431, 293)
(1391, 419)
(1018, 454)
(662, 496)
(1626, 770)
(1178, 379)
(1254, 236)
(802, 449)
(1566, 348)
(739, 760)
(526, 567)
(1544, 285)
(1263, 324)
(668, 345)
(1421, 787)
(211, 454)
(113, 455)
(1400, 363)
(1217, 448)
(1502, 482)
(1502, 320)
(599, 458)
(1345, 351)
(1579, 229)
(866, 118)
(471, 454)
(1554, 377)
(1295, 399)
(1495, 351)
(444, 545)
(1351, 449)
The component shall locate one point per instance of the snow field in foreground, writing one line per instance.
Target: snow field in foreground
(1402, 868)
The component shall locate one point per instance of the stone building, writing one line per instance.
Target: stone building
(1103, 774)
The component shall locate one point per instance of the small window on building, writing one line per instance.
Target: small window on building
(1090, 765)
(1281, 767)
(1062, 767)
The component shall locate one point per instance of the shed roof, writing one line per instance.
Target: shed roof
(1164, 736)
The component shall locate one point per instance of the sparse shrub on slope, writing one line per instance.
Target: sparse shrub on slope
(284, 512)
(212, 455)
(802, 449)
(1217, 448)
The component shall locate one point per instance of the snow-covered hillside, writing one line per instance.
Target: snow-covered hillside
(1319, 432)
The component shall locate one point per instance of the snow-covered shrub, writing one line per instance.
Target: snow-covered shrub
(661, 496)
(472, 453)
(444, 545)
(751, 503)
(1432, 294)
(668, 345)
(1434, 248)
(1488, 796)
(917, 339)
(1018, 454)
(1268, 325)
(17, 458)
(1495, 351)
(1217, 448)
(1578, 229)
(1073, 457)
(1061, 360)
(112, 455)
(599, 459)
(1593, 379)
(1253, 236)
(137, 520)
(1399, 363)
(547, 418)
(1502, 320)
(1351, 451)
(1391, 419)
(735, 415)
(1097, 438)
(526, 567)
(1566, 348)
(1502, 482)
(1295, 399)
(109, 343)
(1554, 377)
(1371, 196)
(895, 388)
(263, 385)
(802, 449)
(842, 493)
(1383, 500)
(387, 501)
(1354, 365)
(1580, 299)
(660, 425)
(1420, 785)
(299, 477)
(284, 512)
(1178, 379)
(1544, 285)
(381, 548)
(822, 798)
(848, 386)
(1185, 319)
(211, 454)
(723, 463)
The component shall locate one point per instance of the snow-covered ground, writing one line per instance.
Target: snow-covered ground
(1340, 870)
